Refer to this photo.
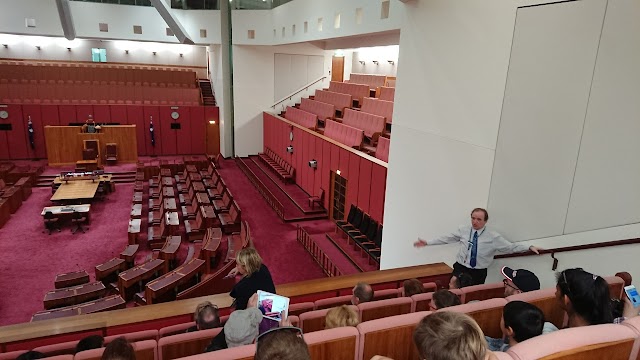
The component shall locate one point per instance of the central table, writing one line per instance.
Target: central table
(75, 189)
(66, 212)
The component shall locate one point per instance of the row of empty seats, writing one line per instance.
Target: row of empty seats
(382, 150)
(344, 134)
(357, 91)
(339, 100)
(16, 72)
(278, 165)
(321, 109)
(378, 107)
(373, 80)
(302, 117)
(372, 125)
(365, 232)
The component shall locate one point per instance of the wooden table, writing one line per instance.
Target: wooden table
(136, 211)
(171, 280)
(88, 165)
(209, 217)
(191, 169)
(168, 192)
(210, 245)
(71, 279)
(170, 205)
(113, 266)
(169, 251)
(24, 184)
(138, 274)
(73, 295)
(112, 302)
(167, 181)
(134, 230)
(172, 222)
(75, 189)
(137, 197)
(198, 186)
(65, 212)
(203, 199)
(129, 254)
(13, 195)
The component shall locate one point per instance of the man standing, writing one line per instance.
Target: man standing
(478, 245)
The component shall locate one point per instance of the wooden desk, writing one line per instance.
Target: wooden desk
(5, 211)
(13, 196)
(168, 192)
(208, 216)
(137, 197)
(167, 181)
(203, 199)
(195, 176)
(172, 222)
(191, 169)
(113, 266)
(169, 251)
(198, 186)
(165, 172)
(234, 244)
(65, 212)
(76, 190)
(183, 274)
(138, 274)
(108, 303)
(129, 254)
(24, 184)
(88, 165)
(134, 230)
(73, 278)
(170, 205)
(73, 295)
(210, 245)
(136, 211)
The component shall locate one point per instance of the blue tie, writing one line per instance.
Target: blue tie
(474, 250)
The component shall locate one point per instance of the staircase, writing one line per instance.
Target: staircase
(208, 98)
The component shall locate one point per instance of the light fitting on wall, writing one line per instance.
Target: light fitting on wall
(154, 53)
(375, 62)
(38, 47)
(290, 149)
(313, 164)
(338, 172)
(391, 62)
(68, 49)
(181, 55)
(126, 51)
(212, 122)
(5, 45)
(361, 62)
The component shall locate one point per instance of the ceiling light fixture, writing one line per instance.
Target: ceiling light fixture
(391, 62)
(5, 46)
(126, 51)
(38, 47)
(375, 62)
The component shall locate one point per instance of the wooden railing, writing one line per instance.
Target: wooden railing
(262, 189)
(330, 269)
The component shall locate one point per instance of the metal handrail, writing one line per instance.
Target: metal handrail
(304, 88)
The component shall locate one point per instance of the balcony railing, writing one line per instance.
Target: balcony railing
(202, 4)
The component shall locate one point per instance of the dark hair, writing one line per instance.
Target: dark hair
(526, 320)
(31, 355)
(486, 214)
(412, 287)
(588, 293)
(445, 298)
(464, 280)
(90, 342)
(119, 349)
(363, 292)
(281, 344)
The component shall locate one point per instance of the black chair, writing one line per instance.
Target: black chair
(78, 219)
(369, 236)
(51, 222)
(362, 228)
(355, 223)
(350, 216)
(374, 249)
(101, 192)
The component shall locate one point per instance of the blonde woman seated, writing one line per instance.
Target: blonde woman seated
(255, 276)
(341, 316)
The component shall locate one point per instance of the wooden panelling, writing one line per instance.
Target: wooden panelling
(50, 115)
(101, 113)
(135, 116)
(65, 143)
(489, 321)
(338, 349)
(83, 112)
(68, 114)
(378, 185)
(183, 136)
(168, 136)
(119, 114)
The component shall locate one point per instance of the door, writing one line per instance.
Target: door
(338, 196)
(337, 68)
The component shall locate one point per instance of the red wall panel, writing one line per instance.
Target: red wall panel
(50, 115)
(168, 136)
(378, 183)
(118, 113)
(297, 153)
(353, 180)
(34, 112)
(17, 137)
(68, 114)
(321, 168)
(184, 135)
(364, 186)
(135, 116)
(200, 117)
(152, 114)
(101, 113)
(83, 112)
(326, 170)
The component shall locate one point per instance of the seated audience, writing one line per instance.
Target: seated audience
(520, 321)
(585, 298)
(412, 287)
(519, 281)
(119, 349)
(460, 281)
(448, 335)
(442, 299)
(341, 316)
(255, 276)
(90, 342)
(362, 293)
(240, 329)
(282, 343)
(31, 355)
(206, 316)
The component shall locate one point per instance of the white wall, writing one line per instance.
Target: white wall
(253, 89)
(292, 72)
(45, 12)
(380, 54)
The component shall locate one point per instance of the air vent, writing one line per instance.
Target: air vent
(336, 21)
(30, 23)
(319, 24)
(306, 27)
(137, 29)
(384, 13)
(359, 16)
(103, 27)
(203, 33)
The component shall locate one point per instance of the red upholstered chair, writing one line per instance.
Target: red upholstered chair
(384, 308)
(375, 335)
(545, 300)
(486, 313)
(482, 292)
(175, 329)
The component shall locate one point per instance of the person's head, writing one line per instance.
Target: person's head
(248, 261)
(460, 280)
(341, 316)
(584, 296)
(362, 293)
(448, 335)
(479, 218)
(242, 327)
(442, 299)
(626, 277)
(412, 287)
(31, 355)
(206, 316)
(119, 349)
(521, 321)
(285, 343)
(519, 281)
(90, 342)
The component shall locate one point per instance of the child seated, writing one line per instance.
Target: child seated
(520, 321)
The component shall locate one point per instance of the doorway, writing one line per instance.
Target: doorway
(338, 197)
(337, 68)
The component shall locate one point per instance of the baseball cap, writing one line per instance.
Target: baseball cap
(242, 327)
(525, 280)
